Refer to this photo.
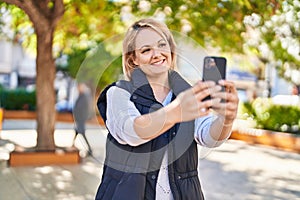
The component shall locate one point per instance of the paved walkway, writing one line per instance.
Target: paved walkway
(234, 171)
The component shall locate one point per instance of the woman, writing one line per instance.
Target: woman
(156, 119)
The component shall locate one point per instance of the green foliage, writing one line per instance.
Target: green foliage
(212, 23)
(75, 59)
(20, 24)
(96, 66)
(111, 73)
(283, 118)
(278, 39)
(18, 99)
(85, 23)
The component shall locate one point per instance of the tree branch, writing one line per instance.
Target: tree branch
(39, 12)
(29, 7)
(59, 10)
(43, 7)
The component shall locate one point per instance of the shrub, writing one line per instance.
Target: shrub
(18, 99)
(273, 117)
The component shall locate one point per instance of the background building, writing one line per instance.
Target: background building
(17, 69)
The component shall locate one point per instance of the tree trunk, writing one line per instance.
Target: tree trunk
(45, 93)
(44, 16)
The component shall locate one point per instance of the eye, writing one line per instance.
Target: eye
(162, 44)
(145, 50)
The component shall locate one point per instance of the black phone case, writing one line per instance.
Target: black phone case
(214, 68)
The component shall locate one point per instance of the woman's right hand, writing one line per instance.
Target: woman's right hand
(190, 105)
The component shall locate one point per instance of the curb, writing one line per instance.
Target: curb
(280, 140)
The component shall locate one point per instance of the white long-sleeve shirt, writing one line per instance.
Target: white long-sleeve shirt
(121, 113)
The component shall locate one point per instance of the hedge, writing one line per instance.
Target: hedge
(269, 116)
(17, 99)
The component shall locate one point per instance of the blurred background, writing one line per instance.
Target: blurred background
(259, 39)
(48, 46)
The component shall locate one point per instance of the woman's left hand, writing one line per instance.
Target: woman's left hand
(229, 106)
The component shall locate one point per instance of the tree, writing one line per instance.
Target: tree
(44, 16)
(276, 40)
(87, 23)
(214, 23)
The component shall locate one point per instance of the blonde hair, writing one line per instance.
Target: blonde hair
(129, 43)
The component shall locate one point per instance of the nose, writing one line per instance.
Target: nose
(156, 52)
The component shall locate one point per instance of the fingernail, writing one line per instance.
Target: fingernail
(221, 81)
(211, 83)
(203, 110)
(216, 100)
(219, 88)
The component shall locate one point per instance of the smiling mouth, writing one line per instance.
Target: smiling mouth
(160, 62)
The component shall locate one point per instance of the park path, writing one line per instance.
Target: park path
(234, 171)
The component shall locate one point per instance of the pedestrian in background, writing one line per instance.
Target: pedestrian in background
(82, 111)
(156, 119)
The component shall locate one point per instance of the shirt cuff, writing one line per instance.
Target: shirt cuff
(202, 132)
(210, 142)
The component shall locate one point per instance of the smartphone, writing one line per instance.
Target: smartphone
(214, 69)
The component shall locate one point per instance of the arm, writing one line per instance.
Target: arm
(120, 115)
(124, 120)
(128, 126)
(208, 131)
(213, 130)
(226, 112)
(151, 125)
(187, 106)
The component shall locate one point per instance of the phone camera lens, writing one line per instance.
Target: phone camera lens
(210, 63)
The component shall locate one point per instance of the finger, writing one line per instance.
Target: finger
(206, 92)
(226, 106)
(227, 96)
(225, 113)
(229, 86)
(200, 85)
(203, 112)
(225, 109)
(226, 83)
(211, 102)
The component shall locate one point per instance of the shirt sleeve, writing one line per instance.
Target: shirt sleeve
(121, 113)
(202, 132)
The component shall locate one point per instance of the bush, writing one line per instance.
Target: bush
(273, 117)
(18, 99)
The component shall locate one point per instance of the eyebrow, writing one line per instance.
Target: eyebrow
(147, 45)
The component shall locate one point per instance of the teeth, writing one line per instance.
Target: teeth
(159, 62)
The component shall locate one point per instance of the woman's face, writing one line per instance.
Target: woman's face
(152, 53)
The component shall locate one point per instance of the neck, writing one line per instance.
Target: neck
(160, 87)
(162, 79)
